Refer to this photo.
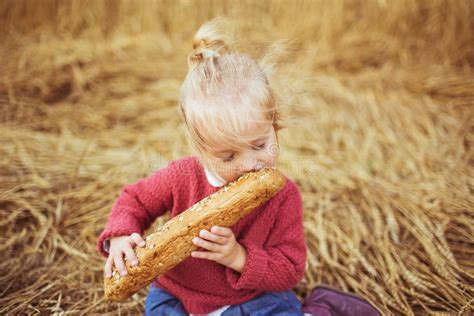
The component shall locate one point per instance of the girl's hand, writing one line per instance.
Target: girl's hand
(222, 248)
(119, 246)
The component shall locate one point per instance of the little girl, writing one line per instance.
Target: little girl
(248, 269)
(232, 124)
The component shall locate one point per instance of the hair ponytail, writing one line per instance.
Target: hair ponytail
(208, 43)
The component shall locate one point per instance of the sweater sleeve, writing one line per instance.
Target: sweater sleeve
(280, 264)
(138, 205)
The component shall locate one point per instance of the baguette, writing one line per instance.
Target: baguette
(172, 243)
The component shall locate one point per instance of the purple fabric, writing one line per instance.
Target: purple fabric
(326, 301)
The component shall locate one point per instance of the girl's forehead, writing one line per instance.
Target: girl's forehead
(230, 122)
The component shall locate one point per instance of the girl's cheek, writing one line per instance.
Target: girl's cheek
(231, 177)
(228, 172)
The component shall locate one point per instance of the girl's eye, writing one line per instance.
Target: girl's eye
(261, 146)
(227, 159)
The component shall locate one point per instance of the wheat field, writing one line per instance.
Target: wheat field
(378, 97)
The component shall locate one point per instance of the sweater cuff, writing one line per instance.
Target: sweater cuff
(106, 245)
(254, 269)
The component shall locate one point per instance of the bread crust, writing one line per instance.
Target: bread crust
(172, 243)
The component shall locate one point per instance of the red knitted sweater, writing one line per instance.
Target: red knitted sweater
(272, 235)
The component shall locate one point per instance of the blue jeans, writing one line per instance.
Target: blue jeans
(160, 302)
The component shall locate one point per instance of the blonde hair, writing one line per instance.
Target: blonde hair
(222, 92)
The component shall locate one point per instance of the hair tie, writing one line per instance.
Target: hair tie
(208, 53)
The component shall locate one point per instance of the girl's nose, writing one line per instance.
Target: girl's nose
(253, 166)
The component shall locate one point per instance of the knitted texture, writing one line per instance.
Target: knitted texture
(272, 235)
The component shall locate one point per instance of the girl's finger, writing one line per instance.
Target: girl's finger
(118, 260)
(213, 237)
(108, 266)
(222, 231)
(137, 239)
(211, 246)
(132, 258)
(203, 255)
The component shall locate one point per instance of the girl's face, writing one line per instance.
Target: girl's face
(262, 151)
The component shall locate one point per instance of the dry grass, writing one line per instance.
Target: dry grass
(382, 147)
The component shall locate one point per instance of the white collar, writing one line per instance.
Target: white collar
(214, 179)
